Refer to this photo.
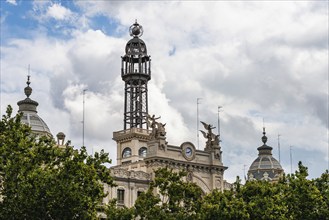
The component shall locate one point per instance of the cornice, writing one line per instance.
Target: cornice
(129, 134)
(205, 168)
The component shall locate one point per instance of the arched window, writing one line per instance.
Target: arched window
(126, 152)
(142, 151)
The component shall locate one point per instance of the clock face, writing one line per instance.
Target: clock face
(188, 152)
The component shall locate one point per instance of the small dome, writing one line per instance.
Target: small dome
(265, 167)
(135, 47)
(60, 136)
(30, 117)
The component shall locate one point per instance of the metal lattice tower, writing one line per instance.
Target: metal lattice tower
(135, 72)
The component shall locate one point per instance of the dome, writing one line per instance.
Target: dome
(265, 162)
(30, 117)
(38, 126)
(135, 47)
(265, 166)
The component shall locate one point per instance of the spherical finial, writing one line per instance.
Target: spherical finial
(136, 30)
(28, 89)
(264, 138)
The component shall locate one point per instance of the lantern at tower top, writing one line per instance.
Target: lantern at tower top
(136, 47)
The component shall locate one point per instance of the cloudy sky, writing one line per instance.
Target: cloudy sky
(258, 60)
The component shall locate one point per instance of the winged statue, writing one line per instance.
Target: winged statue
(212, 139)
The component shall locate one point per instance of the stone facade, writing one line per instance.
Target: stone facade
(140, 153)
(142, 147)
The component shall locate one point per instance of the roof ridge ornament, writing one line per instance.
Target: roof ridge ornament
(27, 104)
(136, 30)
(28, 89)
(264, 138)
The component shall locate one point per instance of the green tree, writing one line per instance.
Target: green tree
(264, 200)
(118, 213)
(223, 206)
(169, 197)
(304, 197)
(322, 184)
(42, 181)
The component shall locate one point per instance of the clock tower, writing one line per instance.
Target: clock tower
(135, 72)
(142, 147)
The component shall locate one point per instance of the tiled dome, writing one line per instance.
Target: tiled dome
(265, 167)
(30, 117)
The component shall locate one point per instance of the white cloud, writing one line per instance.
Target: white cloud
(13, 2)
(58, 12)
(255, 59)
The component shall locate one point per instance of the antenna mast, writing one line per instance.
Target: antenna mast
(83, 117)
(244, 172)
(279, 147)
(290, 159)
(219, 107)
(197, 119)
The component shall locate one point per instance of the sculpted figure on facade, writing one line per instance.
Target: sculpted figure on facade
(212, 139)
(158, 128)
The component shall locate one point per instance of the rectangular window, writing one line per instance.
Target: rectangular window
(139, 193)
(121, 196)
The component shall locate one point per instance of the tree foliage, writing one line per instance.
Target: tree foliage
(293, 197)
(169, 197)
(223, 205)
(41, 181)
(114, 213)
(304, 198)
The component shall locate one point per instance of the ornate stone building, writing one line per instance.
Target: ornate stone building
(265, 167)
(142, 147)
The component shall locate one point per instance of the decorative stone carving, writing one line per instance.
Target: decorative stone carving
(123, 173)
(218, 183)
(266, 177)
(162, 147)
(158, 129)
(189, 177)
(212, 139)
